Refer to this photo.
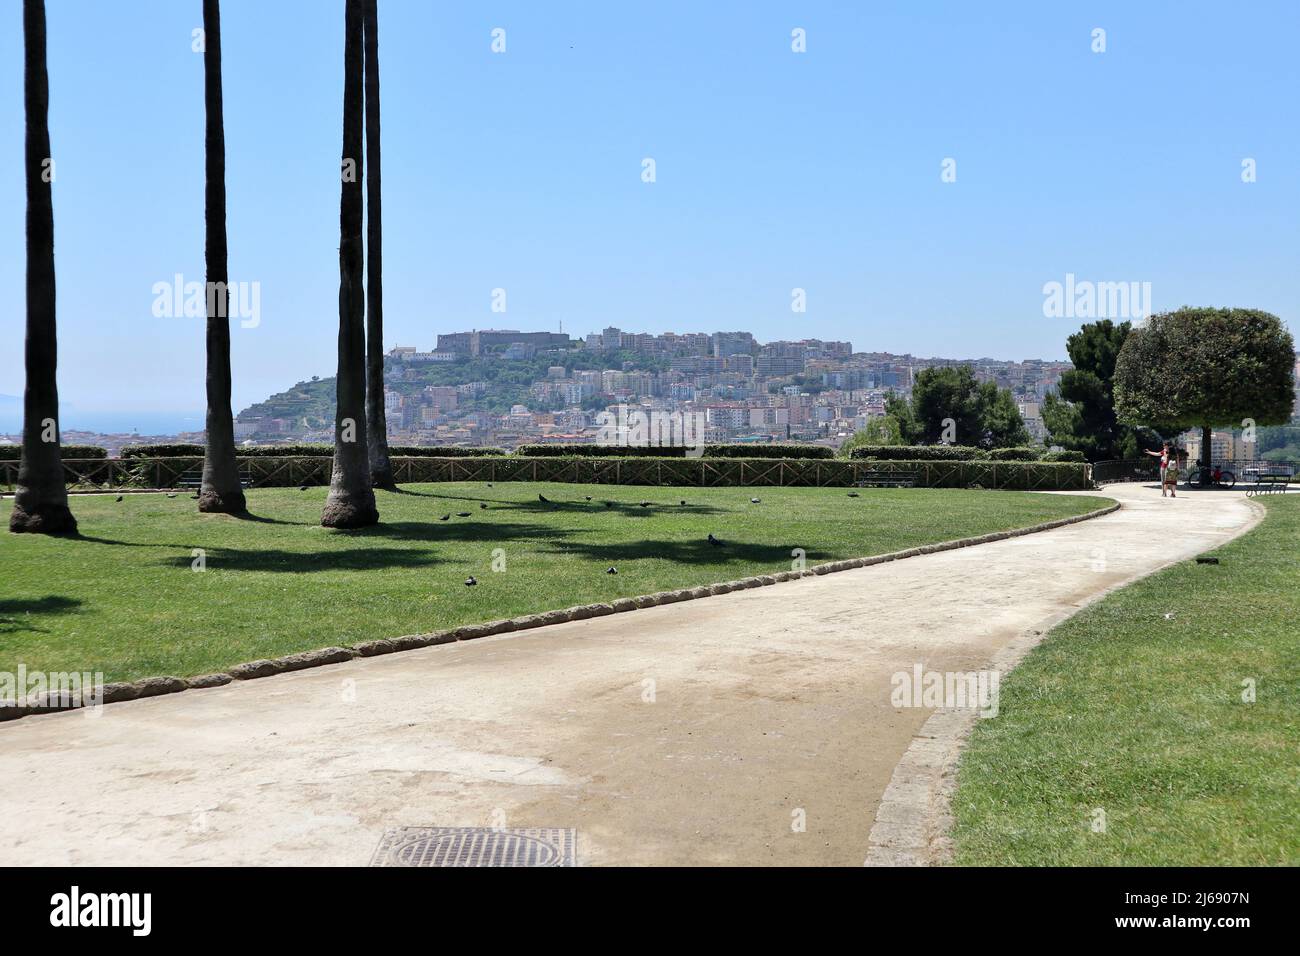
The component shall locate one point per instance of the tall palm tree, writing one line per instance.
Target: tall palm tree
(381, 468)
(41, 501)
(220, 490)
(351, 499)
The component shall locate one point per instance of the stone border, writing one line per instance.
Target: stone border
(110, 491)
(914, 820)
(154, 686)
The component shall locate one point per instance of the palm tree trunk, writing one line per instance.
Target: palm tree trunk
(381, 469)
(1207, 458)
(351, 500)
(41, 501)
(220, 490)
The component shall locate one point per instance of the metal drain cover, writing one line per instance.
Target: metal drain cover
(476, 846)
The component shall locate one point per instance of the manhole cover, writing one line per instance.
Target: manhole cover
(475, 846)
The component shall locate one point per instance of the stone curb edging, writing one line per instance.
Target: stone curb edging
(914, 819)
(114, 491)
(252, 670)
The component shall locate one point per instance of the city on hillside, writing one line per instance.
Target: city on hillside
(506, 388)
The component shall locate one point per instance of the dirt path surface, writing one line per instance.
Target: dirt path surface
(695, 733)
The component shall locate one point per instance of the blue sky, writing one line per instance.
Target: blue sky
(775, 170)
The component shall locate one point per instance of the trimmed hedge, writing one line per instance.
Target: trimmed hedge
(839, 472)
(70, 452)
(570, 450)
(959, 453)
(919, 453)
(1000, 475)
(176, 450)
(1077, 457)
(190, 450)
(730, 450)
(772, 450)
(265, 471)
(442, 451)
(1021, 453)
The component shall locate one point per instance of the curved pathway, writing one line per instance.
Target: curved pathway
(753, 727)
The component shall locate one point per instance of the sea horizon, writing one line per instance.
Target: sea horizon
(108, 422)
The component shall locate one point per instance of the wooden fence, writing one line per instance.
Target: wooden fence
(266, 472)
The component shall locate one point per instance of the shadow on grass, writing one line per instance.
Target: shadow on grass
(621, 509)
(307, 562)
(91, 539)
(456, 529)
(693, 552)
(52, 604)
(262, 519)
(581, 505)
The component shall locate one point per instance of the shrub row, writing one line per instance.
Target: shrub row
(1076, 457)
(773, 450)
(1014, 454)
(627, 470)
(570, 450)
(175, 450)
(732, 450)
(190, 450)
(736, 450)
(70, 452)
(266, 471)
(445, 451)
(919, 452)
(1001, 475)
(962, 453)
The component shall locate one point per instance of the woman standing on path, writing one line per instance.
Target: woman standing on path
(1169, 476)
(1163, 455)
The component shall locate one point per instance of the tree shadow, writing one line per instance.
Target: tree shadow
(52, 604)
(262, 519)
(597, 504)
(624, 509)
(414, 494)
(459, 529)
(693, 552)
(448, 497)
(308, 562)
(91, 539)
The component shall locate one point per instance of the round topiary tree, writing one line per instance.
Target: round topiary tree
(1206, 367)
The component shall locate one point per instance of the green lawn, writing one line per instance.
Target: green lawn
(1143, 717)
(123, 599)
